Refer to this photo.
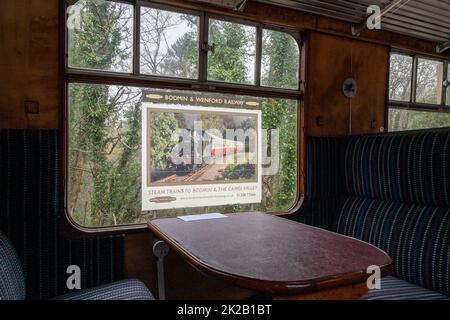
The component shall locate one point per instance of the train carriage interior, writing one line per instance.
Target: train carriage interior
(252, 151)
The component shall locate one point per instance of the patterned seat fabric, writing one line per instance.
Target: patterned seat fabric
(416, 237)
(411, 168)
(391, 190)
(323, 188)
(120, 290)
(12, 281)
(396, 289)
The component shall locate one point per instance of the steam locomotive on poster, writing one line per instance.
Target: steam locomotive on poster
(204, 150)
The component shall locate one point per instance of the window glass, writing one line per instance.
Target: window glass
(280, 60)
(401, 119)
(429, 81)
(100, 36)
(107, 156)
(232, 58)
(400, 77)
(169, 43)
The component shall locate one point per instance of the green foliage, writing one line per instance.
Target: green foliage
(105, 130)
(163, 125)
(229, 60)
(239, 171)
(183, 56)
(100, 42)
(280, 60)
(281, 189)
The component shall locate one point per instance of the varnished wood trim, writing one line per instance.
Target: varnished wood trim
(351, 292)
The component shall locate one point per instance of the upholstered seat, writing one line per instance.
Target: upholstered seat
(396, 289)
(120, 290)
(393, 191)
(12, 282)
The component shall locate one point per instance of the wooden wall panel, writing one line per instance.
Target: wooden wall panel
(370, 69)
(331, 60)
(29, 63)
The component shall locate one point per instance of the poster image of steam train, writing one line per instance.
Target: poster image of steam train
(196, 156)
(202, 146)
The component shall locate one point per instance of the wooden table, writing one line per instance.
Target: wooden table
(269, 254)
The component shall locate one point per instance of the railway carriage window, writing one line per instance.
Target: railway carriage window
(403, 119)
(429, 81)
(100, 36)
(418, 96)
(280, 60)
(126, 164)
(400, 77)
(169, 43)
(136, 152)
(232, 57)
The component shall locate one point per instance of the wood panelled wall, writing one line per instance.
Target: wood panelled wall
(29, 63)
(331, 60)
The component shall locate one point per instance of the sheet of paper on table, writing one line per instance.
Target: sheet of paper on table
(207, 216)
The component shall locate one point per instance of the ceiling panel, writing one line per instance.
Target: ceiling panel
(424, 19)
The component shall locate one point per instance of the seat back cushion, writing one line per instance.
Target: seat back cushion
(416, 237)
(12, 282)
(411, 168)
(322, 182)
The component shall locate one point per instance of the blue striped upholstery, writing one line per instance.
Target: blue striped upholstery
(392, 190)
(12, 282)
(416, 237)
(122, 290)
(322, 182)
(406, 168)
(396, 289)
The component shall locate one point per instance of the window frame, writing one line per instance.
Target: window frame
(137, 37)
(258, 47)
(136, 79)
(298, 39)
(412, 104)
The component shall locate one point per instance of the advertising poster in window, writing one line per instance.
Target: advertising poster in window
(200, 150)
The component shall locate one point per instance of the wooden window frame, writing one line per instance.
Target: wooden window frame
(136, 79)
(412, 104)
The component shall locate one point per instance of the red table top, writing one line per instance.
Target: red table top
(271, 254)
